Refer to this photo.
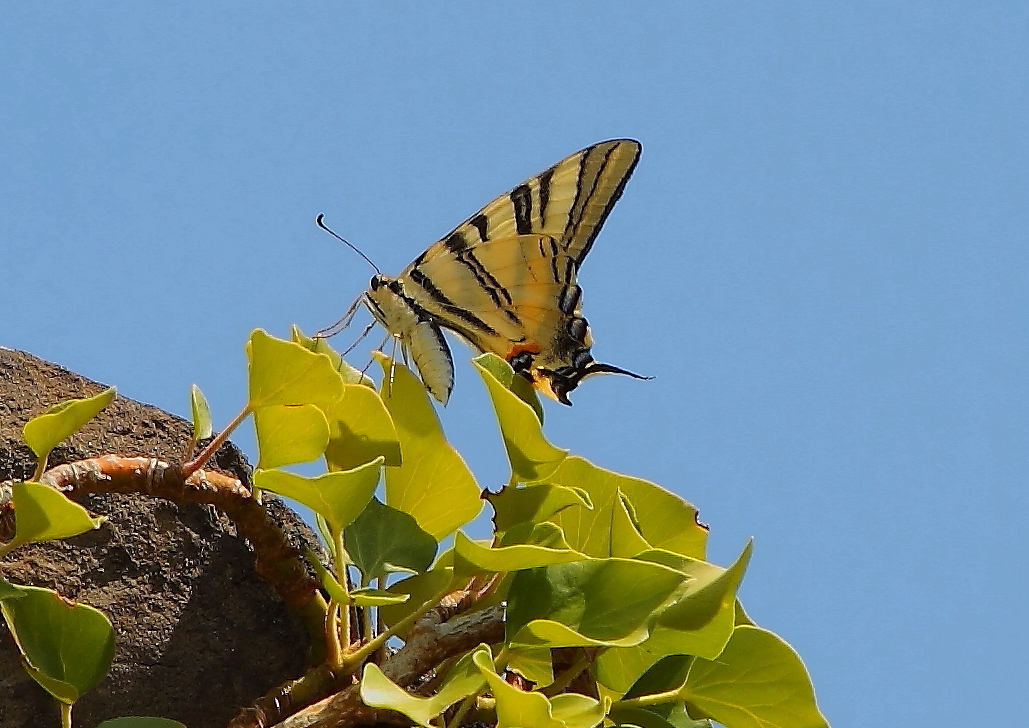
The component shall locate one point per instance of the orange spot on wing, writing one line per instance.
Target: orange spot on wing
(531, 346)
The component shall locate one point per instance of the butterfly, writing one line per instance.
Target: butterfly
(505, 279)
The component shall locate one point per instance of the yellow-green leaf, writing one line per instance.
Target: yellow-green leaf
(350, 374)
(433, 484)
(531, 456)
(360, 430)
(758, 681)
(533, 503)
(44, 431)
(41, 513)
(282, 372)
(338, 497)
(201, 412)
(507, 558)
(288, 434)
(378, 691)
(67, 647)
(519, 709)
(665, 519)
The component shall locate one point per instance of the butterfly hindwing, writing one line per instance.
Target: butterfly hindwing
(505, 279)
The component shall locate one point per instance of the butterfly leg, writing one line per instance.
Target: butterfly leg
(341, 323)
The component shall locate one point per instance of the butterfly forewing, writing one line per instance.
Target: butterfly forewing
(505, 279)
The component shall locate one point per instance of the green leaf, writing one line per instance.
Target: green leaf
(504, 374)
(67, 647)
(288, 434)
(282, 372)
(700, 620)
(140, 722)
(378, 691)
(351, 375)
(533, 503)
(507, 558)
(520, 709)
(385, 540)
(531, 456)
(654, 718)
(666, 520)
(360, 430)
(41, 513)
(626, 539)
(697, 621)
(757, 682)
(337, 497)
(44, 431)
(202, 428)
(533, 663)
(433, 484)
(335, 590)
(537, 534)
(604, 602)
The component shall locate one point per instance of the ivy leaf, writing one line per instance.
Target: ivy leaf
(42, 513)
(201, 412)
(67, 647)
(338, 497)
(531, 456)
(600, 602)
(385, 540)
(665, 520)
(758, 681)
(44, 431)
(433, 484)
(378, 691)
(533, 503)
(288, 434)
(360, 429)
(140, 722)
(517, 708)
(350, 374)
(506, 558)
(282, 372)
(700, 620)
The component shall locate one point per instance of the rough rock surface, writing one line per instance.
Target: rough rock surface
(199, 634)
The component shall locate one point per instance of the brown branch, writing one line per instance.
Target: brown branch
(276, 561)
(434, 638)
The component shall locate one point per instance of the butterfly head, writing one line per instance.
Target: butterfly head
(558, 383)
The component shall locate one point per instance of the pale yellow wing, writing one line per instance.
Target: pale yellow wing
(568, 202)
(515, 294)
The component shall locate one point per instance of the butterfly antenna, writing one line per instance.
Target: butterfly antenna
(345, 241)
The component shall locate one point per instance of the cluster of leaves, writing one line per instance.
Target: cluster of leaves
(66, 647)
(611, 614)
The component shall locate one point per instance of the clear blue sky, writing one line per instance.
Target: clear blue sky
(821, 258)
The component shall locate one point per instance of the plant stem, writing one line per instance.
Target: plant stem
(359, 655)
(65, 715)
(41, 466)
(647, 700)
(212, 447)
(565, 678)
(339, 565)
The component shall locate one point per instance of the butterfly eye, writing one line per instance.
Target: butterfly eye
(376, 282)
